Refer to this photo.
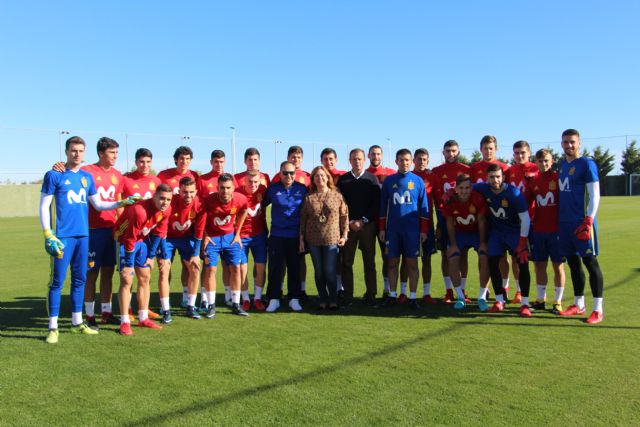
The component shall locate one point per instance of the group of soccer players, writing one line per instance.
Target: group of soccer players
(528, 210)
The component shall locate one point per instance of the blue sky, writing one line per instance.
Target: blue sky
(333, 73)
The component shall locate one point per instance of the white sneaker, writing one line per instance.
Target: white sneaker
(294, 304)
(274, 305)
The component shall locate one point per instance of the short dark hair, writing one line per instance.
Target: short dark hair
(421, 151)
(571, 132)
(74, 140)
(450, 143)
(462, 178)
(251, 151)
(373, 147)
(286, 162)
(182, 150)
(402, 152)
(494, 167)
(326, 151)
(356, 150)
(187, 180)
(295, 149)
(164, 188)
(217, 154)
(543, 152)
(225, 177)
(521, 144)
(488, 139)
(143, 152)
(105, 143)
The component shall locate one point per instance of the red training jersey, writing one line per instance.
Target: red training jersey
(240, 177)
(172, 178)
(521, 174)
(256, 221)
(432, 187)
(186, 220)
(207, 184)
(336, 174)
(542, 192)
(109, 185)
(221, 217)
(381, 172)
(465, 215)
(302, 177)
(136, 184)
(448, 172)
(137, 221)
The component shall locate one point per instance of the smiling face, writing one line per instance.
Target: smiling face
(544, 163)
(521, 155)
(252, 183)
(143, 165)
(252, 162)
(183, 162)
(571, 146)
(287, 174)
(108, 157)
(451, 154)
(495, 179)
(296, 159)
(188, 193)
(329, 161)
(225, 191)
(217, 164)
(375, 157)
(403, 162)
(489, 151)
(357, 162)
(320, 179)
(421, 162)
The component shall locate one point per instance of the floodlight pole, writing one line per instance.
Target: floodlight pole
(233, 149)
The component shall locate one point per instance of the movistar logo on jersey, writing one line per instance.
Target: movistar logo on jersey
(147, 230)
(146, 196)
(402, 199)
(520, 185)
(447, 186)
(548, 199)
(470, 219)
(79, 197)
(107, 193)
(564, 184)
(182, 227)
(222, 221)
(500, 213)
(255, 211)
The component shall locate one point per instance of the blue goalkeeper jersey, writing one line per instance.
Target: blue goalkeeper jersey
(403, 201)
(573, 178)
(504, 206)
(69, 210)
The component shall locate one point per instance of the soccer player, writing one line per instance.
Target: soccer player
(542, 193)
(252, 161)
(254, 238)
(448, 172)
(225, 213)
(432, 186)
(66, 231)
(141, 182)
(403, 223)
(285, 196)
(509, 229)
(182, 158)
(140, 231)
(381, 172)
(465, 213)
(579, 201)
(185, 232)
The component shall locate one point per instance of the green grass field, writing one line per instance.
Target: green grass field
(357, 367)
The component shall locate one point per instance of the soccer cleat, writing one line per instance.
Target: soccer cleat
(204, 306)
(83, 329)
(184, 303)
(258, 305)
(246, 304)
(108, 318)
(148, 323)
(466, 298)
(211, 311)
(596, 317)
(573, 310)
(390, 301)
(482, 305)
(154, 315)
(538, 305)
(557, 308)
(294, 305)
(428, 300)
(91, 321)
(459, 305)
(497, 307)
(166, 317)
(448, 296)
(192, 313)
(402, 299)
(52, 336)
(237, 310)
(414, 304)
(125, 329)
(385, 294)
(517, 298)
(132, 318)
(274, 305)
(525, 311)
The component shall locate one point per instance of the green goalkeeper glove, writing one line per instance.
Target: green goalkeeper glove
(52, 244)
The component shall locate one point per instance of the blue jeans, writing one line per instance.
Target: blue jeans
(324, 264)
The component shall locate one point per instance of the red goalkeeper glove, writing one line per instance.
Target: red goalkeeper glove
(583, 232)
(522, 252)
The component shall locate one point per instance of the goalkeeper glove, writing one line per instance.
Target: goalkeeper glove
(583, 232)
(522, 252)
(129, 201)
(52, 244)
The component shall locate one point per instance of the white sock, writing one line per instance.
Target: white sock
(483, 293)
(460, 292)
(505, 283)
(426, 289)
(447, 283)
(518, 286)
(88, 308)
(203, 295)
(558, 297)
(125, 319)
(403, 288)
(105, 307)
(525, 300)
(185, 291)
(412, 295)
(393, 294)
(245, 296)
(281, 286)
(257, 291)
(211, 297)
(387, 287)
(597, 305)
(579, 302)
(303, 286)
(463, 283)
(76, 318)
(53, 322)
(227, 293)
(192, 300)
(541, 292)
(500, 298)
(235, 297)
(164, 304)
(143, 315)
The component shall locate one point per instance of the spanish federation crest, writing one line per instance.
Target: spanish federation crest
(83, 181)
(505, 203)
(552, 185)
(411, 185)
(152, 186)
(472, 209)
(233, 210)
(572, 170)
(302, 180)
(114, 180)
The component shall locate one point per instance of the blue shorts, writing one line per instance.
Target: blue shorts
(544, 246)
(405, 243)
(466, 240)
(140, 255)
(258, 246)
(570, 245)
(429, 246)
(501, 241)
(184, 245)
(222, 246)
(102, 248)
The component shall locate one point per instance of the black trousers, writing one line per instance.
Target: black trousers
(283, 251)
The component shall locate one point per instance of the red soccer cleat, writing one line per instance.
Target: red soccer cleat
(467, 300)
(148, 323)
(258, 305)
(596, 317)
(525, 311)
(573, 310)
(402, 299)
(448, 297)
(428, 300)
(517, 299)
(497, 307)
(107, 318)
(125, 329)
(246, 305)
